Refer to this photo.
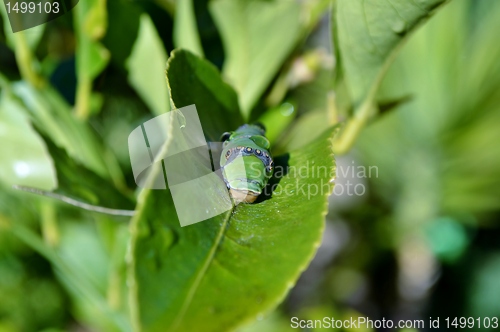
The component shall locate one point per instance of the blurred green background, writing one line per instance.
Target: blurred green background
(422, 240)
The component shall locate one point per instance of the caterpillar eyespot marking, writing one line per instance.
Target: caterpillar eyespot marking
(247, 172)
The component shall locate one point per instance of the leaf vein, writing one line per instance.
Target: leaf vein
(368, 28)
(397, 12)
(201, 273)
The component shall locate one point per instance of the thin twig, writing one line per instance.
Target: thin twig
(74, 202)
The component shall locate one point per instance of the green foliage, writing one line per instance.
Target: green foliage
(52, 116)
(187, 278)
(368, 35)
(26, 159)
(257, 36)
(453, 110)
(192, 81)
(427, 223)
(91, 57)
(185, 33)
(146, 66)
(442, 192)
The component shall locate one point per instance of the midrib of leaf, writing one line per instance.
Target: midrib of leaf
(365, 107)
(293, 278)
(195, 285)
(135, 313)
(396, 10)
(211, 254)
(416, 5)
(365, 20)
(201, 273)
(211, 259)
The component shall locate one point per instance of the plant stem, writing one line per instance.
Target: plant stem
(332, 111)
(83, 90)
(353, 128)
(25, 61)
(50, 229)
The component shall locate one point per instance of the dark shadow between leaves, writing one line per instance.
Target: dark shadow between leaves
(280, 170)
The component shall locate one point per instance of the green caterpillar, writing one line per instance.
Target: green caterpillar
(246, 162)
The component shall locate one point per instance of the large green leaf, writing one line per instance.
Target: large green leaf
(82, 251)
(368, 34)
(122, 31)
(185, 29)
(24, 44)
(146, 66)
(222, 272)
(52, 116)
(454, 111)
(194, 81)
(25, 159)
(78, 182)
(257, 36)
(71, 260)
